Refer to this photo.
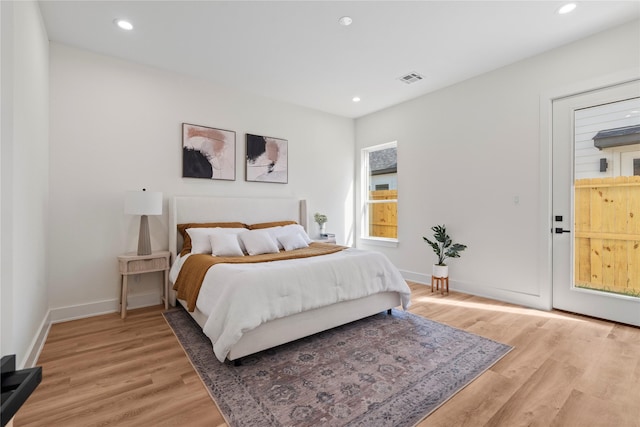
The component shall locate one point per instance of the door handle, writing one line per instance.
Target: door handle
(559, 230)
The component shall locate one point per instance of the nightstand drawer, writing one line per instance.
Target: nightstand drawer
(143, 265)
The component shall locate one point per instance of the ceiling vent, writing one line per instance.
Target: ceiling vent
(411, 78)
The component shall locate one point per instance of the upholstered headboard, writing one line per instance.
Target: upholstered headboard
(185, 209)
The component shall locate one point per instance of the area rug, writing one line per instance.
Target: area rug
(384, 370)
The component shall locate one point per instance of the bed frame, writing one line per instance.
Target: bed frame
(184, 209)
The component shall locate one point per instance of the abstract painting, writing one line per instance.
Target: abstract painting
(267, 159)
(208, 153)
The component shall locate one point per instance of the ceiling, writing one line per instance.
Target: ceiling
(296, 52)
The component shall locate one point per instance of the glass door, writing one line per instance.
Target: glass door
(596, 204)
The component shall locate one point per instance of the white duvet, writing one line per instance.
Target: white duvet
(240, 297)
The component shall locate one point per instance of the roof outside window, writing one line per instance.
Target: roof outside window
(618, 137)
(383, 161)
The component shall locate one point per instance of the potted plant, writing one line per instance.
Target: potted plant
(321, 219)
(444, 248)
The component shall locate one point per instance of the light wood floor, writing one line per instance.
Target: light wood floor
(565, 370)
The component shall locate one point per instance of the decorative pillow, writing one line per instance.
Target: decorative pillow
(292, 241)
(269, 224)
(225, 244)
(274, 232)
(295, 229)
(200, 237)
(258, 242)
(182, 229)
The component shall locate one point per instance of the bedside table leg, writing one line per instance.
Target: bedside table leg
(123, 298)
(166, 289)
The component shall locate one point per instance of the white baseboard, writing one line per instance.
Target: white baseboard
(81, 311)
(37, 343)
(505, 295)
(416, 277)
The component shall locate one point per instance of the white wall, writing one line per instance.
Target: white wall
(24, 172)
(469, 156)
(116, 126)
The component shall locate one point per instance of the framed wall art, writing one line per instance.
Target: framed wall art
(267, 159)
(208, 153)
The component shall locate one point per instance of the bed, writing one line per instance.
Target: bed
(311, 313)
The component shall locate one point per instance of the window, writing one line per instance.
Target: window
(380, 192)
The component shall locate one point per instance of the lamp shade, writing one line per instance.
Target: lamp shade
(143, 203)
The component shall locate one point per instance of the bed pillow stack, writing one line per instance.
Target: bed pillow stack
(237, 239)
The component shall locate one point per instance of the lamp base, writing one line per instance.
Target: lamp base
(144, 238)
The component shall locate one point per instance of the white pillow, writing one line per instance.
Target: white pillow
(295, 229)
(258, 242)
(200, 237)
(225, 244)
(292, 241)
(274, 232)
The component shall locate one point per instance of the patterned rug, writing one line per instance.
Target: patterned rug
(385, 370)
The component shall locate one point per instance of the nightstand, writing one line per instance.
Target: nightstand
(327, 238)
(132, 263)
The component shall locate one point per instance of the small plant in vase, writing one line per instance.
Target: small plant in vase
(444, 248)
(321, 219)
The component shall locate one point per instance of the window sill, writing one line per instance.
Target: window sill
(380, 241)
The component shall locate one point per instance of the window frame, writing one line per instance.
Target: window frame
(366, 202)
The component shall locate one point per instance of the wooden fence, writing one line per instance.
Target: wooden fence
(607, 234)
(383, 217)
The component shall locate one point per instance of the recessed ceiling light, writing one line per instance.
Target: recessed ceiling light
(356, 99)
(567, 8)
(125, 25)
(345, 20)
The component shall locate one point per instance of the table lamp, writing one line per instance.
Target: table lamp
(143, 203)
